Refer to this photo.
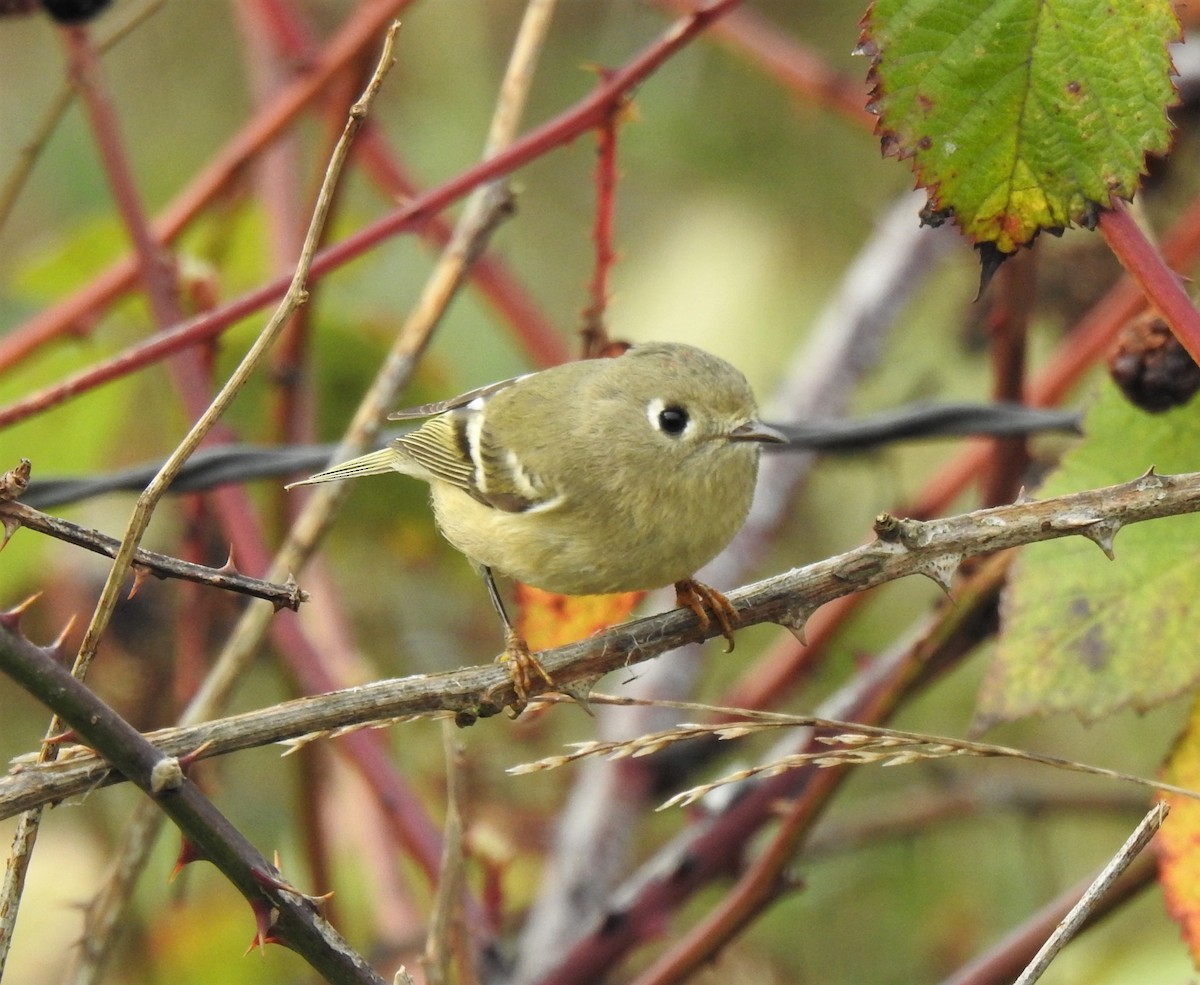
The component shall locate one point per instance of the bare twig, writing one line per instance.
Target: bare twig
(1081, 911)
(445, 922)
(287, 595)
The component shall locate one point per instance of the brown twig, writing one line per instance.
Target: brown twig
(445, 922)
(594, 331)
(1008, 327)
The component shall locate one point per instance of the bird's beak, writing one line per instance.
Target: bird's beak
(757, 431)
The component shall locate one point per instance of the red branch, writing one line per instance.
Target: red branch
(587, 114)
(363, 28)
(594, 331)
(1159, 283)
(155, 267)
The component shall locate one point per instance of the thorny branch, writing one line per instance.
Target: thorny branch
(904, 547)
(285, 596)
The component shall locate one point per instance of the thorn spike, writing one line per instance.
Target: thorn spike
(795, 621)
(265, 916)
(941, 570)
(188, 853)
(11, 618)
(11, 526)
(1101, 534)
(139, 576)
(58, 649)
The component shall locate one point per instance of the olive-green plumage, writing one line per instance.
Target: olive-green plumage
(605, 475)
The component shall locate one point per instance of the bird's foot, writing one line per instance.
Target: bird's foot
(523, 667)
(703, 599)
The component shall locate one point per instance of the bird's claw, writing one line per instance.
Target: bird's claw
(523, 667)
(704, 599)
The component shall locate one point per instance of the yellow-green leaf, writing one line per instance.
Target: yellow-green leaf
(1022, 115)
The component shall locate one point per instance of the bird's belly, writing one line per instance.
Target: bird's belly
(548, 551)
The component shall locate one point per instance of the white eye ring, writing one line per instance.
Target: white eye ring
(672, 420)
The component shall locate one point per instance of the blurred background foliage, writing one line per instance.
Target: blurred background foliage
(738, 210)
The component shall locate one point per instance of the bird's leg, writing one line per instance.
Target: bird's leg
(523, 666)
(702, 599)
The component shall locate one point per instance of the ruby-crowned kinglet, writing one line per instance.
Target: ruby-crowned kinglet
(604, 475)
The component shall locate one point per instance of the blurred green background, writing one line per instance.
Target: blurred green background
(738, 210)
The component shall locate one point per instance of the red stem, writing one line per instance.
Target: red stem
(595, 332)
(73, 314)
(1159, 283)
(155, 268)
(1008, 326)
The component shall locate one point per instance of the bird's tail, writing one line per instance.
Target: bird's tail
(375, 463)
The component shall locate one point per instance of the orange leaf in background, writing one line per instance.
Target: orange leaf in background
(548, 620)
(1178, 840)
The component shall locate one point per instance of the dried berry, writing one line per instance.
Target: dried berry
(1153, 370)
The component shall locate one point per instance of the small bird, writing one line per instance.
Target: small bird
(596, 476)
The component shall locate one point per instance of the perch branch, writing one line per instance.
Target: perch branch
(905, 547)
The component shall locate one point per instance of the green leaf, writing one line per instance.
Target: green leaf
(1084, 634)
(1022, 115)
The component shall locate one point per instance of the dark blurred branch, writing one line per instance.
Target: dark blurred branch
(286, 915)
(215, 466)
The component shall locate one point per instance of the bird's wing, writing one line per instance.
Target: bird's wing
(455, 447)
(508, 483)
(453, 403)
(440, 446)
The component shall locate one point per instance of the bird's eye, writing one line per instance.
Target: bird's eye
(672, 420)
